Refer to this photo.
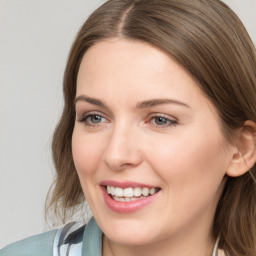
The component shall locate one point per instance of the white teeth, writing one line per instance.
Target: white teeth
(130, 194)
(152, 191)
(112, 190)
(127, 199)
(119, 192)
(120, 199)
(145, 191)
(137, 192)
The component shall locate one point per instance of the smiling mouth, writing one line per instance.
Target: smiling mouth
(130, 194)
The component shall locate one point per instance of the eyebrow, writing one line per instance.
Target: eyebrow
(140, 105)
(155, 102)
(90, 100)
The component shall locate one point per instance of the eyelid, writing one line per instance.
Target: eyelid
(81, 114)
(82, 118)
(169, 117)
(172, 120)
(83, 107)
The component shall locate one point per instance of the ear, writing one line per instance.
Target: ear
(245, 157)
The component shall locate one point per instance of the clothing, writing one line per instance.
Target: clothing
(39, 245)
(71, 240)
(74, 240)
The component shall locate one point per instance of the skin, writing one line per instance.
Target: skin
(186, 154)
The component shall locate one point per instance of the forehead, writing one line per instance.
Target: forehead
(122, 74)
(123, 64)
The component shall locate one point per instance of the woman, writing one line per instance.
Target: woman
(158, 133)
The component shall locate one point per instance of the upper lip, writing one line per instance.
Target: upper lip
(125, 184)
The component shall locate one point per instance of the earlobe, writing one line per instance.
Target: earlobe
(245, 157)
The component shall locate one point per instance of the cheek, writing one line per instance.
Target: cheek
(87, 152)
(192, 171)
(189, 162)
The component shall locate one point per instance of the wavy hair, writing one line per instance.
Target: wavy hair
(210, 42)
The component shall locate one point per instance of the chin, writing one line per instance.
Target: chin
(128, 239)
(129, 232)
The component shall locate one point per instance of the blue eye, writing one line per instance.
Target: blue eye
(92, 119)
(95, 119)
(162, 121)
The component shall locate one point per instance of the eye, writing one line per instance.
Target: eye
(162, 121)
(95, 119)
(92, 119)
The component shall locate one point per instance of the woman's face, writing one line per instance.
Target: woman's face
(147, 135)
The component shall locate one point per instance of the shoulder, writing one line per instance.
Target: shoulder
(68, 240)
(39, 245)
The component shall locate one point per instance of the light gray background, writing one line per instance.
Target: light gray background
(35, 37)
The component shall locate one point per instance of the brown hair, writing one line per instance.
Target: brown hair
(211, 43)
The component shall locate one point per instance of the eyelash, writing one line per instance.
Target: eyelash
(169, 122)
(84, 119)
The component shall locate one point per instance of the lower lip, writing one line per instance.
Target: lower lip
(126, 207)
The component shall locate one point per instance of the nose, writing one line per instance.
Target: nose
(122, 149)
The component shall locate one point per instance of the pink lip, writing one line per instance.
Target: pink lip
(126, 207)
(125, 184)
